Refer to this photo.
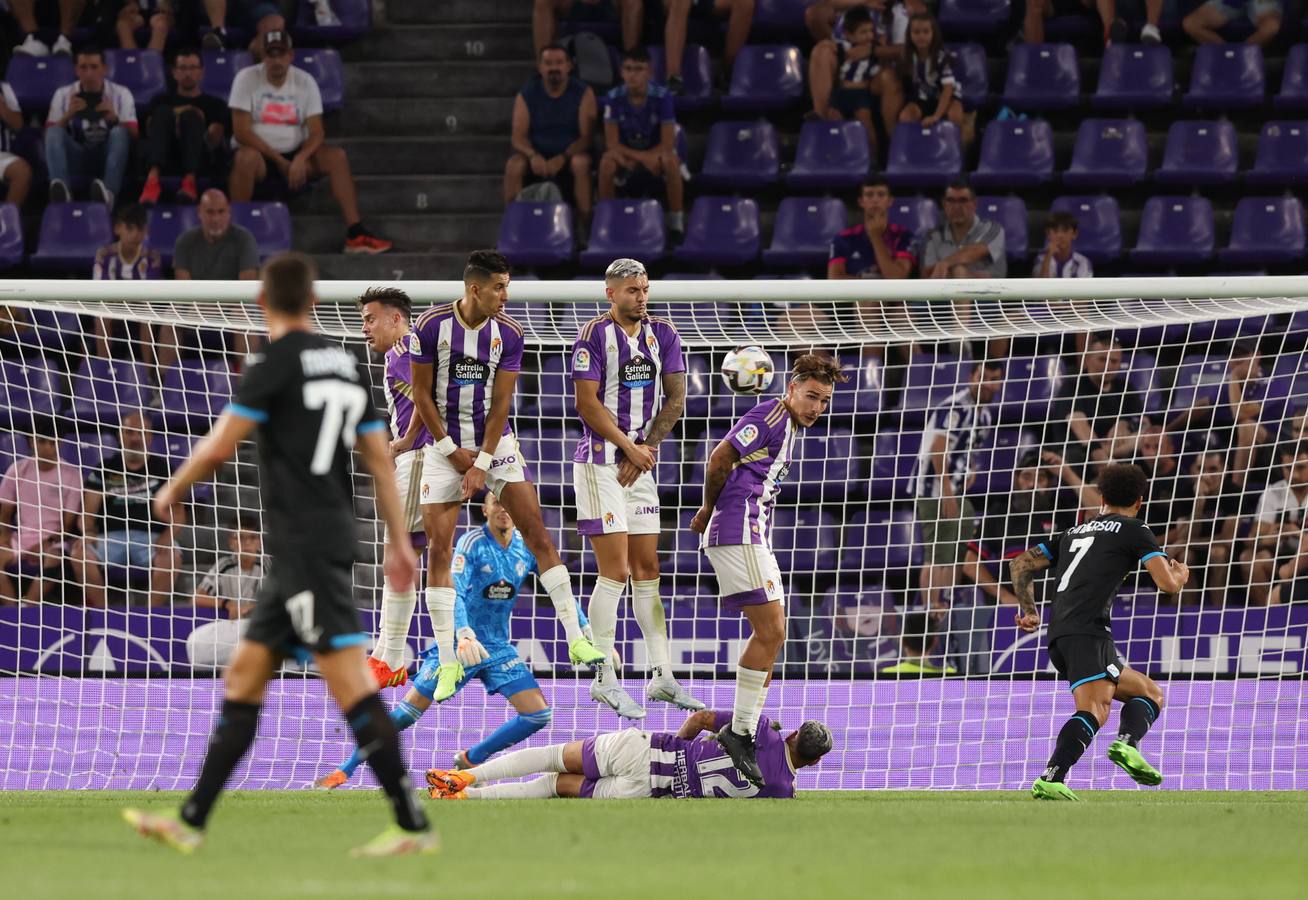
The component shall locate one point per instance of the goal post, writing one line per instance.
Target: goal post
(923, 678)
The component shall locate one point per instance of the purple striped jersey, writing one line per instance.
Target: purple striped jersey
(110, 266)
(464, 362)
(629, 369)
(765, 438)
(398, 385)
(695, 768)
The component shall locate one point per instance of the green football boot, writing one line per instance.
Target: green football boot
(1130, 761)
(1052, 790)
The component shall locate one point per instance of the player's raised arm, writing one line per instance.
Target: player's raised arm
(399, 562)
(1023, 568)
(720, 463)
(699, 722)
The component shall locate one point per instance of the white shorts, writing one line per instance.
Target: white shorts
(616, 765)
(6, 160)
(442, 483)
(408, 482)
(748, 574)
(606, 507)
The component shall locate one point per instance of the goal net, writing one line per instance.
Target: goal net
(900, 609)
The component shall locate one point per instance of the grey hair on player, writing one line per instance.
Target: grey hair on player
(623, 268)
(813, 741)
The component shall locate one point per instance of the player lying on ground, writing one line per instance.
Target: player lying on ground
(1090, 562)
(490, 564)
(311, 405)
(629, 379)
(741, 484)
(466, 356)
(631, 763)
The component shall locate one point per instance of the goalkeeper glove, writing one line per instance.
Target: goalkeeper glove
(470, 650)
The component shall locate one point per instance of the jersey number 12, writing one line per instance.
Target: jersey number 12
(1080, 547)
(342, 406)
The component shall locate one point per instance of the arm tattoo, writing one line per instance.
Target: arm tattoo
(716, 473)
(1024, 569)
(674, 402)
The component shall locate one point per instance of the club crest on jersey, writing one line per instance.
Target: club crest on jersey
(748, 434)
(521, 568)
(458, 564)
(637, 372)
(426, 489)
(415, 343)
(609, 519)
(465, 371)
(496, 344)
(771, 586)
(651, 342)
(581, 360)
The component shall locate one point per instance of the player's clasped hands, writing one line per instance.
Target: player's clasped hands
(638, 458)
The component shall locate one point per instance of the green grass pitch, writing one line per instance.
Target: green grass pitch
(1130, 844)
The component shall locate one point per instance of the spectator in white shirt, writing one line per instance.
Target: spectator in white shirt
(233, 582)
(1059, 260)
(277, 123)
(15, 171)
(1278, 526)
(89, 131)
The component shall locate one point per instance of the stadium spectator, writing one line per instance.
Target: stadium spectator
(553, 128)
(260, 16)
(138, 14)
(186, 131)
(127, 258)
(640, 133)
(1117, 28)
(927, 67)
(1206, 21)
(1278, 536)
(1206, 513)
(917, 643)
(840, 71)
(119, 527)
(965, 245)
(15, 172)
(876, 247)
(1101, 411)
(1058, 259)
(825, 19)
(24, 13)
(545, 16)
(738, 13)
(40, 498)
(943, 474)
(859, 75)
(216, 249)
(89, 131)
(232, 584)
(277, 123)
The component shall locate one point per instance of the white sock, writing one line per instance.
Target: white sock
(647, 604)
(749, 698)
(603, 613)
(541, 788)
(440, 606)
(558, 585)
(762, 701)
(519, 763)
(396, 613)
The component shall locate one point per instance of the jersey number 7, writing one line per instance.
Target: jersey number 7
(1080, 547)
(342, 406)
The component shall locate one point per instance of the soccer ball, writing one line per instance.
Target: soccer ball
(748, 370)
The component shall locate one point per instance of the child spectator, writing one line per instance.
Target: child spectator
(927, 67)
(233, 582)
(852, 97)
(127, 258)
(1059, 260)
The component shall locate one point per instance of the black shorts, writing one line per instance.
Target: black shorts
(850, 100)
(1082, 658)
(306, 604)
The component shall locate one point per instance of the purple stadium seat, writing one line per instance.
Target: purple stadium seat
(995, 464)
(1266, 230)
(194, 393)
(826, 464)
(696, 72)
(324, 64)
(1108, 153)
(830, 155)
(924, 157)
(701, 381)
(972, 73)
(1226, 76)
(29, 389)
(860, 397)
(928, 382)
(626, 228)
(1010, 212)
(13, 447)
(740, 156)
(894, 456)
(70, 235)
(1282, 155)
(536, 234)
(803, 231)
(1198, 378)
(1042, 76)
(917, 214)
(550, 459)
(103, 388)
(220, 67)
(765, 77)
(1099, 226)
(35, 79)
(969, 18)
(270, 223)
(1175, 231)
(1145, 379)
(1134, 76)
(87, 449)
(57, 332)
(11, 236)
(722, 231)
(890, 541)
(806, 541)
(778, 18)
(165, 226)
(1199, 153)
(555, 391)
(1294, 83)
(1030, 384)
(355, 17)
(1015, 154)
(140, 71)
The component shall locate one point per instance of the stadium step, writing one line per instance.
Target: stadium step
(391, 266)
(485, 78)
(419, 194)
(438, 155)
(447, 43)
(325, 233)
(434, 12)
(394, 116)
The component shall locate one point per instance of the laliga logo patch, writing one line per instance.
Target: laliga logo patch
(748, 434)
(415, 344)
(581, 360)
(458, 564)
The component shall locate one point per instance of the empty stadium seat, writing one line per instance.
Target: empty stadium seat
(70, 235)
(554, 393)
(88, 449)
(1015, 154)
(972, 74)
(220, 67)
(1266, 230)
(917, 214)
(721, 231)
(929, 381)
(765, 77)
(193, 393)
(996, 462)
(270, 223)
(1226, 76)
(1134, 76)
(740, 155)
(805, 540)
(1199, 153)
(626, 228)
(778, 18)
(1198, 378)
(1108, 153)
(1042, 76)
(1175, 231)
(56, 332)
(889, 541)
(968, 18)
(11, 236)
(355, 21)
(1009, 212)
(860, 398)
(165, 225)
(1294, 81)
(894, 456)
(104, 389)
(324, 64)
(1099, 226)
(696, 72)
(1282, 155)
(830, 155)
(35, 79)
(140, 71)
(827, 463)
(536, 234)
(802, 233)
(29, 389)
(924, 157)
(1030, 385)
